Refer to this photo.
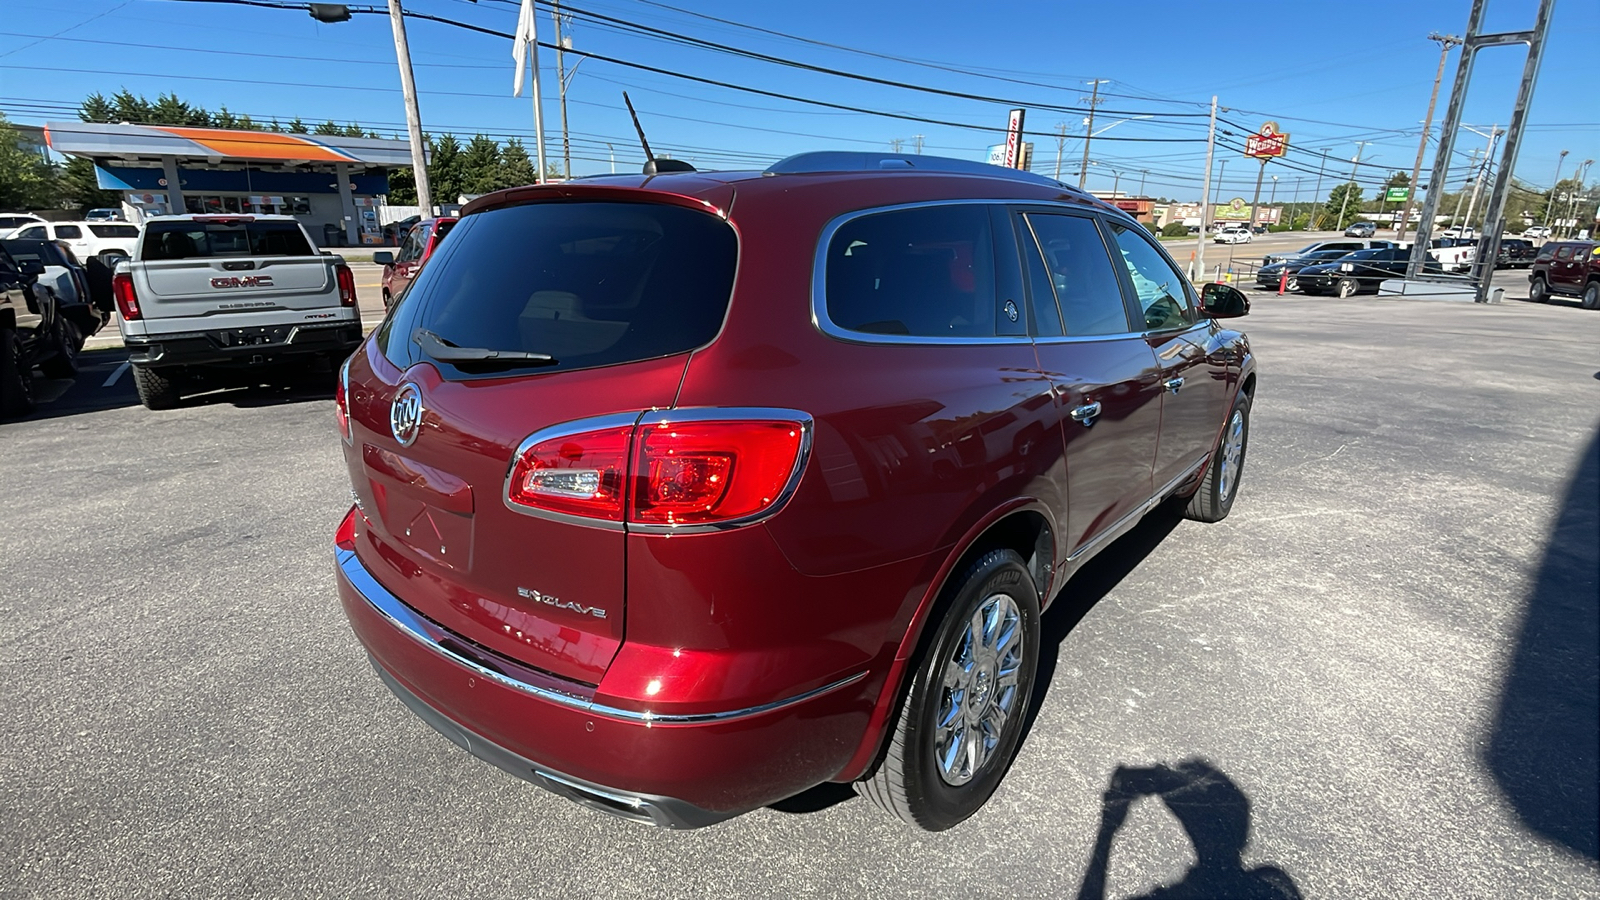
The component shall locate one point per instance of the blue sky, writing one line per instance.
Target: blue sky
(1331, 76)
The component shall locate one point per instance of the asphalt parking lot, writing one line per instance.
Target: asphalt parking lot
(1383, 664)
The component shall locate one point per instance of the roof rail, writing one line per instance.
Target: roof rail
(858, 161)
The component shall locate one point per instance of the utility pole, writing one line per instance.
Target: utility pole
(1446, 41)
(1546, 223)
(1205, 195)
(1061, 144)
(1316, 193)
(1273, 200)
(1143, 174)
(1472, 168)
(1338, 223)
(1572, 196)
(918, 139)
(561, 79)
(1488, 160)
(408, 86)
(1088, 134)
(894, 144)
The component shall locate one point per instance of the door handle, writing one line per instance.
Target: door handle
(1086, 414)
(1172, 384)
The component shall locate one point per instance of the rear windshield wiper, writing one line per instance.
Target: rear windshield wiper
(470, 357)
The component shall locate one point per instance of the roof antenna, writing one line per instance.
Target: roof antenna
(653, 166)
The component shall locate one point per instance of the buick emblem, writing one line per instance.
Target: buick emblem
(405, 416)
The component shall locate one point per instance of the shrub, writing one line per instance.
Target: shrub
(1175, 229)
(1151, 227)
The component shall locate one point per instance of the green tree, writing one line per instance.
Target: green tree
(1337, 200)
(80, 188)
(516, 169)
(169, 110)
(127, 107)
(480, 166)
(27, 180)
(445, 175)
(224, 119)
(96, 108)
(328, 128)
(402, 186)
(297, 127)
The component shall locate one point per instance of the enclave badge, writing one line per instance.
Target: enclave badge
(405, 415)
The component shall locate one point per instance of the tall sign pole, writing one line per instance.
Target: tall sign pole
(1205, 197)
(1088, 133)
(1265, 145)
(408, 86)
(1446, 41)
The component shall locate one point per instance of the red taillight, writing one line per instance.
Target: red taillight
(577, 474)
(347, 285)
(696, 472)
(345, 537)
(341, 402)
(127, 298)
(676, 469)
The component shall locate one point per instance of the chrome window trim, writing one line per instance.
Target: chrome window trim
(566, 429)
(719, 413)
(418, 628)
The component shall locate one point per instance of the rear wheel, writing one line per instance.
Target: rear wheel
(1214, 499)
(962, 717)
(1293, 284)
(1539, 291)
(1591, 295)
(158, 388)
(64, 364)
(1347, 287)
(16, 377)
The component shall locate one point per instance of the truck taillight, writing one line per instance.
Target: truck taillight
(341, 403)
(127, 298)
(675, 469)
(347, 285)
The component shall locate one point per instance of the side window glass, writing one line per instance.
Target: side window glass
(922, 272)
(409, 251)
(1041, 295)
(68, 233)
(1564, 253)
(35, 233)
(1085, 284)
(1159, 287)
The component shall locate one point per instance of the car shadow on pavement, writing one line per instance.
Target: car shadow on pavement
(56, 398)
(1544, 752)
(1214, 812)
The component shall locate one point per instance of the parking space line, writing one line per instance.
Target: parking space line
(115, 374)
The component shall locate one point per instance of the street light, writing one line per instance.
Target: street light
(1559, 160)
(1273, 197)
(1116, 182)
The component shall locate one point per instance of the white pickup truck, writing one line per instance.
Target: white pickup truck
(205, 294)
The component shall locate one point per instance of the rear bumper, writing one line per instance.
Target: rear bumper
(258, 345)
(674, 771)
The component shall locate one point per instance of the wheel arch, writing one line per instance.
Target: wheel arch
(1025, 525)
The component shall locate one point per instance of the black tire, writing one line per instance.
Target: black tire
(1213, 500)
(909, 782)
(1347, 287)
(1591, 295)
(67, 340)
(158, 389)
(16, 376)
(1538, 291)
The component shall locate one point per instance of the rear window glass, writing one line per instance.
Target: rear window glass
(68, 232)
(115, 231)
(924, 272)
(589, 284)
(188, 239)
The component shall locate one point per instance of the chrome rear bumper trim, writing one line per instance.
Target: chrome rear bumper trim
(503, 671)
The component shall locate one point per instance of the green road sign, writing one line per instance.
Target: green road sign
(1397, 194)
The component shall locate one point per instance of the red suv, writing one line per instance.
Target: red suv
(418, 246)
(1566, 267)
(680, 494)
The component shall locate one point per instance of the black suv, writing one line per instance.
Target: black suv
(30, 335)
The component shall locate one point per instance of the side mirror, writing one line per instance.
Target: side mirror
(1220, 301)
(31, 267)
(383, 258)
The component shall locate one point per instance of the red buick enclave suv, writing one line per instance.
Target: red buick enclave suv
(678, 494)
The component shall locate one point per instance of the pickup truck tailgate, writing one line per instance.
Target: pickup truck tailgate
(186, 288)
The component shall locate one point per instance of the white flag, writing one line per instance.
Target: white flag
(527, 36)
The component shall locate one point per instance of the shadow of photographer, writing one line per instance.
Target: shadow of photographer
(1216, 815)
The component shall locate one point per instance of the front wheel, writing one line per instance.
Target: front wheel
(1293, 284)
(1213, 500)
(1539, 291)
(962, 717)
(16, 376)
(1347, 288)
(1591, 295)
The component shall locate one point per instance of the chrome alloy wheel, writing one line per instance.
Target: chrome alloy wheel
(1232, 452)
(980, 691)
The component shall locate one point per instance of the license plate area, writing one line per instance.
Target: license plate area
(260, 336)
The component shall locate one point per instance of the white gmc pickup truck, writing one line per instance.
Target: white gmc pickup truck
(208, 293)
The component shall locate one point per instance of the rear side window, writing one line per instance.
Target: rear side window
(189, 239)
(115, 231)
(1085, 285)
(923, 272)
(68, 233)
(590, 284)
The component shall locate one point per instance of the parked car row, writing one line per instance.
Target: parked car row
(1337, 270)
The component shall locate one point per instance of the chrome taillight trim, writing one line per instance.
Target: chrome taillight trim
(569, 429)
